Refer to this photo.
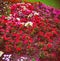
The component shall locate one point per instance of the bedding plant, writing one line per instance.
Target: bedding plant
(26, 32)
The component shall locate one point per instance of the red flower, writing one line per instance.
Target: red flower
(29, 47)
(26, 41)
(23, 20)
(49, 45)
(48, 35)
(53, 55)
(44, 48)
(50, 40)
(17, 41)
(30, 7)
(57, 21)
(41, 33)
(18, 48)
(5, 21)
(54, 31)
(30, 40)
(8, 48)
(5, 38)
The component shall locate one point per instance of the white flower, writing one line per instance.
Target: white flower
(8, 18)
(7, 57)
(1, 53)
(24, 57)
(36, 13)
(30, 15)
(10, 15)
(18, 19)
(28, 24)
(24, 8)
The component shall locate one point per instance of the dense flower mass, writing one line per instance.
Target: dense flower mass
(28, 31)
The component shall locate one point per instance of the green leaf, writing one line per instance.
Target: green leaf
(19, 44)
(33, 59)
(42, 55)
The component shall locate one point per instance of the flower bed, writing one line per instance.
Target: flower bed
(32, 30)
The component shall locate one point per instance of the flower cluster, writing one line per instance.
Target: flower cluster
(27, 10)
(26, 32)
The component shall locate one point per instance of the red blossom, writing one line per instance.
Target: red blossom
(49, 45)
(8, 49)
(57, 21)
(44, 48)
(41, 33)
(25, 41)
(29, 47)
(18, 48)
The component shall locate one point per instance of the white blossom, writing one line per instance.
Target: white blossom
(1, 53)
(30, 15)
(24, 57)
(8, 18)
(28, 24)
(10, 15)
(18, 19)
(24, 8)
(35, 13)
(7, 57)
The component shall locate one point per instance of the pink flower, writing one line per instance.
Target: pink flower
(25, 41)
(57, 21)
(5, 38)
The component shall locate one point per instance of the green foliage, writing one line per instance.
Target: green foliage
(54, 3)
(42, 55)
(33, 59)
